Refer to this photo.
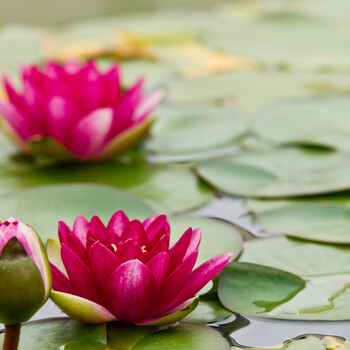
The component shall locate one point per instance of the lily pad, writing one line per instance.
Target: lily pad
(284, 172)
(252, 90)
(324, 220)
(326, 296)
(67, 334)
(299, 257)
(195, 128)
(174, 188)
(43, 206)
(325, 122)
(254, 289)
(309, 342)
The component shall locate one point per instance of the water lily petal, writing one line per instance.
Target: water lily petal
(80, 309)
(178, 251)
(117, 223)
(81, 277)
(130, 289)
(134, 230)
(129, 250)
(161, 246)
(16, 120)
(159, 267)
(90, 133)
(155, 230)
(98, 229)
(60, 282)
(102, 262)
(72, 241)
(148, 104)
(174, 283)
(80, 229)
(201, 276)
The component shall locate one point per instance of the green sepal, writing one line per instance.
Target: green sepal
(22, 290)
(49, 147)
(127, 139)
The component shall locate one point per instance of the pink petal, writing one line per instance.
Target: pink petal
(70, 240)
(159, 227)
(20, 123)
(129, 290)
(98, 229)
(129, 250)
(124, 110)
(82, 279)
(117, 223)
(102, 262)
(174, 283)
(111, 86)
(60, 282)
(148, 104)
(201, 276)
(159, 267)
(194, 244)
(178, 251)
(134, 230)
(148, 221)
(62, 114)
(161, 246)
(80, 229)
(90, 133)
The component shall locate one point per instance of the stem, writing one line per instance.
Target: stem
(11, 339)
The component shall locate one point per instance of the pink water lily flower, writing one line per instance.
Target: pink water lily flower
(126, 271)
(25, 275)
(74, 111)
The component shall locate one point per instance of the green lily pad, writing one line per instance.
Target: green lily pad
(271, 31)
(252, 90)
(299, 257)
(173, 188)
(325, 268)
(255, 289)
(183, 130)
(325, 122)
(319, 220)
(309, 342)
(67, 334)
(285, 172)
(42, 207)
(218, 236)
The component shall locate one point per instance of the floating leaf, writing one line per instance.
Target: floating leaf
(326, 220)
(67, 334)
(325, 122)
(195, 128)
(285, 172)
(327, 294)
(174, 188)
(255, 289)
(309, 342)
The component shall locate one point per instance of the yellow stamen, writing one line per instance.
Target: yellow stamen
(144, 250)
(114, 247)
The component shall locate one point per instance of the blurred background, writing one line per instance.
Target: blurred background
(44, 11)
